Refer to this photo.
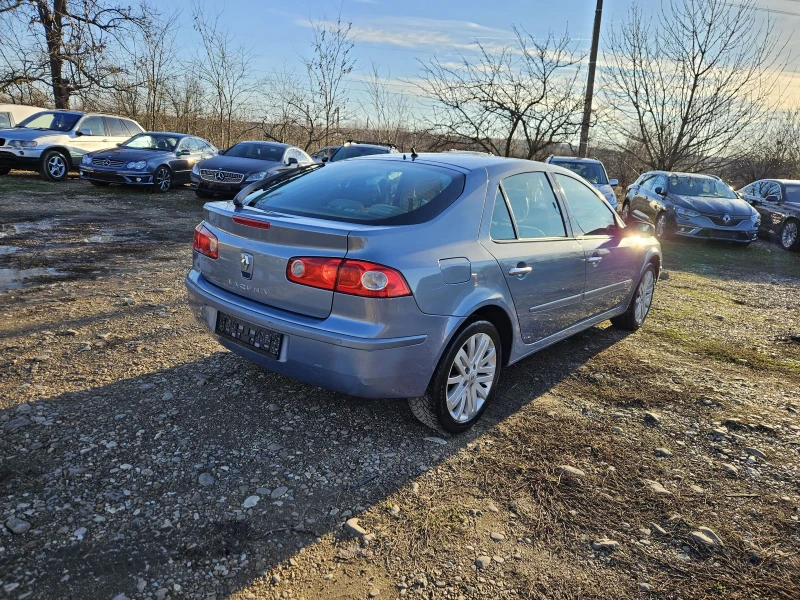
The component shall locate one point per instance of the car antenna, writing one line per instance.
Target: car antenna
(414, 154)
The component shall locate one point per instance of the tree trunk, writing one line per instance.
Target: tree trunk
(52, 20)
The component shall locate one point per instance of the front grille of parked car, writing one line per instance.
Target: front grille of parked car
(220, 176)
(111, 177)
(720, 222)
(107, 162)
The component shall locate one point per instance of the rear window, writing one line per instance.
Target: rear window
(369, 192)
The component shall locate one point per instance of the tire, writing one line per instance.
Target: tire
(162, 179)
(55, 166)
(662, 226)
(626, 211)
(790, 235)
(633, 318)
(99, 183)
(475, 350)
(203, 194)
(5, 170)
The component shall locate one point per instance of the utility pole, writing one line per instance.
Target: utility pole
(587, 105)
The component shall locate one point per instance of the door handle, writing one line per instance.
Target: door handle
(594, 260)
(520, 271)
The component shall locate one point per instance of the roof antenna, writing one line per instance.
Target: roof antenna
(414, 154)
(404, 157)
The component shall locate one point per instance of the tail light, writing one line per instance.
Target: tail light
(205, 242)
(355, 277)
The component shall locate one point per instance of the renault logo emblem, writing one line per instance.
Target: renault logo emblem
(726, 218)
(247, 265)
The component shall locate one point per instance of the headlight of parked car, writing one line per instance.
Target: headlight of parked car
(196, 169)
(755, 219)
(686, 213)
(256, 176)
(21, 143)
(139, 164)
(86, 159)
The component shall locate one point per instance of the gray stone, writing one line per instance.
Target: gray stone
(702, 538)
(374, 592)
(251, 501)
(657, 529)
(569, 471)
(756, 452)
(651, 418)
(17, 526)
(17, 423)
(161, 593)
(605, 545)
(644, 587)
(167, 396)
(273, 407)
(278, 492)
(730, 469)
(23, 408)
(656, 487)
(662, 452)
(483, 562)
(146, 386)
(353, 528)
(497, 536)
(710, 534)
(436, 440)
(206, 479)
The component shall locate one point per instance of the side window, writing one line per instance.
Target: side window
(659, 181)
(115, 127)
(591, 214)
(193, 146)
(748, 190)
(534, 206)
(132, 127)
(93, 124)
(647, 182)
(204, 146)
(771, 189)
(5, 120)
(501, 229)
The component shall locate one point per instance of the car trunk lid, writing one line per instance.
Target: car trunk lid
(253, 257)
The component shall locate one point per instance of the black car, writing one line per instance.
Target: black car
(691, 205)
(155, 159)
(778, 203)
(351, 149)
(243, 164)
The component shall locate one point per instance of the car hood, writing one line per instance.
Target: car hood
(238, 165)
(714, 206)
(20, 133)
(131, 154)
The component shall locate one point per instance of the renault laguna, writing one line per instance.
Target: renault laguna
(416, 276)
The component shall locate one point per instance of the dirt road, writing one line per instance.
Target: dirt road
(138, 459)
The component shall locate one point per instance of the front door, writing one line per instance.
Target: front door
(543, 267)
(90, 136)
(612, 261)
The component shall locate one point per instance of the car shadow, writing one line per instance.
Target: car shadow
(147, 479)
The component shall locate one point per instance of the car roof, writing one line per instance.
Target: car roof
(178, 135)
(468, 162)
(682, 174)
(265, 143)
(797, 181)
(572, 159)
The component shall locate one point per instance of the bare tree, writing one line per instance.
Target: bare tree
(689, 83)
(386, 114)
(224, 67)
(71, 44)
(516, 101)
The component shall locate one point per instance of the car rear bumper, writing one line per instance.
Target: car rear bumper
(397, 367)
(124, 177)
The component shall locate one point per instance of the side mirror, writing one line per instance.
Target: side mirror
(81, 132)
(291, 161)
(613, 182)
(324, 159)
(659, 190)
(643, 229)
(182, 153)
(772, 198)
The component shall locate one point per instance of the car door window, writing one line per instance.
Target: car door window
(592, 216)
(132, 127)
(501, 228)
(771, 189)
(94, 125)
(534, 206)
(115, 127)
(748, 190)
(5, 120)
(204, 146)
(659, 181)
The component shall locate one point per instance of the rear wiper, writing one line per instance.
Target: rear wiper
(270, 181)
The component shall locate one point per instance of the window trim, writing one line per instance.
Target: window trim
(81, 121)
(618, 224)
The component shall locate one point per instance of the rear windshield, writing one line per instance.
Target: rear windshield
(591, 172)
(353, 151)
(365, 191)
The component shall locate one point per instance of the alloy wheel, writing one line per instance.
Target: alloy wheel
(163, 179)
(626, 211)
(661, 225)
(789, 234)
(644, 296)
(56, 166)
(471, 377)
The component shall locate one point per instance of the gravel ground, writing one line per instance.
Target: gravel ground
(138, 459)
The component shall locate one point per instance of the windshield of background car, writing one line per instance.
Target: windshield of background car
(793, 193)
(51, 120)
(369, 192)
(5, 120)
(147, 141)
(257, 152)
(705, 187)
(353, 151)
(591, 172)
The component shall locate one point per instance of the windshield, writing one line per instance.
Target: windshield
(371, 192)
(51, 120)
(353, 151)
(705, 187)
(591, 172)
(266, 152)
(793, 193)
(148, 141)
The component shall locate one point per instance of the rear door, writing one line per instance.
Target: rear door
(116, 132)
(771, 211)
(639, 201)
(612, 260)
(543, 266)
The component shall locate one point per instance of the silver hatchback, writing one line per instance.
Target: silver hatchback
(416, 277)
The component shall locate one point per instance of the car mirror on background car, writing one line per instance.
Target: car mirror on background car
(613, 182)
(659, 190)
(291, 161)
(772, 198)
(83, 132)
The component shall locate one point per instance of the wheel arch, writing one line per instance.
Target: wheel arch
(498, 317)
(63, 151)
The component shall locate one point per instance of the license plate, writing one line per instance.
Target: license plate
(252, 336)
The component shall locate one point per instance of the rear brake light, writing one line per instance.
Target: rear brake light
(205, 242)
(355, 277)
(251, 222)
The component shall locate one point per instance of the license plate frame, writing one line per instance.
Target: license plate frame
(253, 337)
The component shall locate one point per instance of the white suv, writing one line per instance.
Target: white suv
(53, 141)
